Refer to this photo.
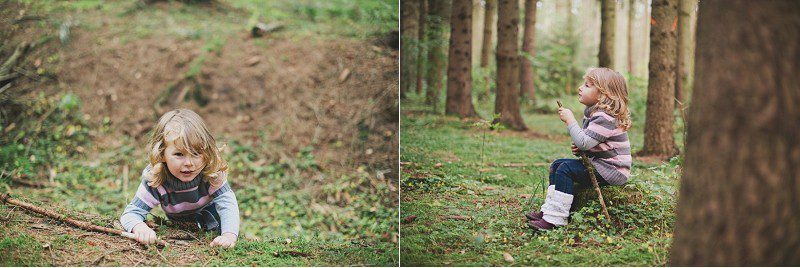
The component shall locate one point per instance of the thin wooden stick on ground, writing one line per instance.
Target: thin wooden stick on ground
(591, 170)
(4, 197)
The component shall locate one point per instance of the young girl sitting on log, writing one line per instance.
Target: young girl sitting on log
(187, 177)
(602, 136)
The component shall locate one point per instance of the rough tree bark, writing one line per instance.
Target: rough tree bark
(507, 100)
(459, 68)
(658, 128)
(423, 16)
(684, 46)
(607, 29)
(409, 30)
(526, 86)
(739, 198)
(438, 20)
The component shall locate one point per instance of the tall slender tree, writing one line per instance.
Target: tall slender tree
(409, 31)
(527, 74)
(439, 16)
(608, 26)
(658, 128)
(507, 100)
(631, 15)
(684, 48)
(459, 68)
(738, 202)
(573, 49)
(490, 9)
(423, 16)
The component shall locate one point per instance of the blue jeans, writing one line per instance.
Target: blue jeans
(564, 173)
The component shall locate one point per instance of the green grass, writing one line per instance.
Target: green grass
(443, 175)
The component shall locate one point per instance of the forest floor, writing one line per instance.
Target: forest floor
(465, 190)
(306, 116)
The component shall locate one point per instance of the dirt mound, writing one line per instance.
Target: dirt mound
(299, 92)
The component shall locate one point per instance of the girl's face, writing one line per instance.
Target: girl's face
(182, 165)
(588, 93)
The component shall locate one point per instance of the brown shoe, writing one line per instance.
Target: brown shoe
(533, 215)
(541, 225)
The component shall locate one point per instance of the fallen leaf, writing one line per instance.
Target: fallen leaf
(345, 74)
(488, 188)
(437, 165)
(410, 219)
(458, 217)
(253, 61)
(508, 257)
(526, 196)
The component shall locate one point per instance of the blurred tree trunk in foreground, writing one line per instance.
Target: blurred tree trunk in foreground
(739, 198)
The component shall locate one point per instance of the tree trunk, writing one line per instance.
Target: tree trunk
(607, 29)
(739, 203)
(409, 31)
(658, 128)
(423, 16)
(507, 100)
(631, 14)
(572, 49)
(488, 20)
(526, 76)
(648, 21)
(459, 68)
(438, 20)
(684, 44)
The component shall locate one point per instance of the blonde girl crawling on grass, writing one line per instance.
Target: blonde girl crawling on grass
(602, 136)
(187, 178)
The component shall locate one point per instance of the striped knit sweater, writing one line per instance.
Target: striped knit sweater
(609, 149)
(181, 200)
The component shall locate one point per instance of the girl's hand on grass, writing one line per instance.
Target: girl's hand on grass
(566, 115)
(144, 234)
(226, 240)
(575, 150)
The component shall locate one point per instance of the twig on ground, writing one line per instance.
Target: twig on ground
(4, 197)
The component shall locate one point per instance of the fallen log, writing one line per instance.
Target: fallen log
(6, 198)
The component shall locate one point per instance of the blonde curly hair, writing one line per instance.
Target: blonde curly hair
(613, 97)
(189, 134)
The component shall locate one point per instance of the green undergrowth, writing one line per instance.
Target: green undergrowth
(465, 190)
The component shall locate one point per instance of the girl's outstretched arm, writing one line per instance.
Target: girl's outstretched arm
(228, 210)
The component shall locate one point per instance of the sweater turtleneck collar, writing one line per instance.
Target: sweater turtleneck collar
(175, 184)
